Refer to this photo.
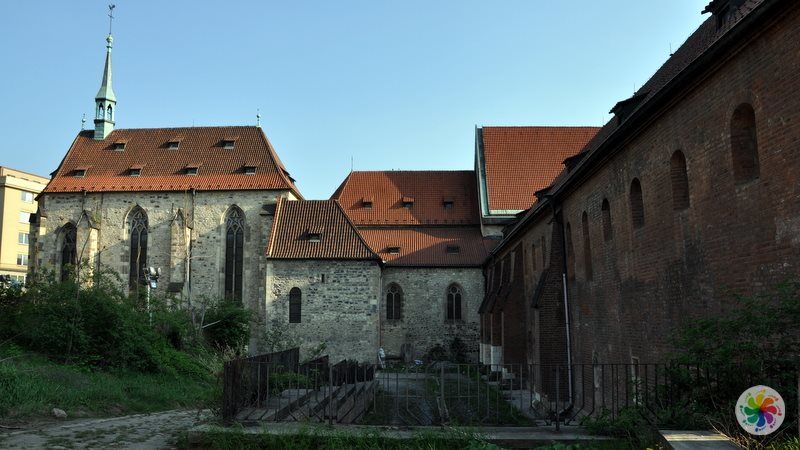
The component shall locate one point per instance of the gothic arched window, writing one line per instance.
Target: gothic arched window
(394, 302)
(69, 252)
(454, 302)
(109, 113)
(137, 224)
(637, 204)
(234, 252)
(744, 144)
(680, 181)
(295, 305)
(100, 110)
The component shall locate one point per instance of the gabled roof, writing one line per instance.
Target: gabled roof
(518, 161)
(427, 246)
(295, 221)
(427, 189)
(164, 170)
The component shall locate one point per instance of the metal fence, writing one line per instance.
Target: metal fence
(276, 389)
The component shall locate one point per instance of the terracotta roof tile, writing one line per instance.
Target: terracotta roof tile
(427, 246)
(295, 220)
(426, 189)
(163, 169)
(522, 160)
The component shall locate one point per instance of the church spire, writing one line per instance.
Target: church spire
(105, 100)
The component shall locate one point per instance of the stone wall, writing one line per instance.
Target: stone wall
(183, 228)
(423, 324)
(339, 305)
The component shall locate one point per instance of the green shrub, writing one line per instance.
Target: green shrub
(227, 326)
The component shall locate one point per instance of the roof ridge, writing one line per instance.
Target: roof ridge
(539, 126)
(185, 127)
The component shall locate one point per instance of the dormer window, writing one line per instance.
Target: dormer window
(366, 202)
(79, 172)
(118, 146)
(313, 236)
(407, 202)
(448, 203)
(135, 171)
(453, 249)
(173, 145)
(228, 144)
(393, 250)
(249, 170)
(191, 169)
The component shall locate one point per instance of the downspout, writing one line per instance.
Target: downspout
(566, 296)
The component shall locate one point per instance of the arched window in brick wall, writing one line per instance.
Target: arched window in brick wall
(744, 144)
(234, 253)
(605, 209)
(394, 302)
(637, 204)
(680, 181)
(69, 250)
(454, 302)
(295, 305)
(137, 224)
(570, 252)
(587, 246)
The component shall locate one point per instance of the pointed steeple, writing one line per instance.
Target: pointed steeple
(105, 100)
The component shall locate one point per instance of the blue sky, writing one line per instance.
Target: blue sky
(392, 84)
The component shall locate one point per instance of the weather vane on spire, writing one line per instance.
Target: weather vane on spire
(110, 16)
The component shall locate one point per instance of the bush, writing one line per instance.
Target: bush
(227, 326)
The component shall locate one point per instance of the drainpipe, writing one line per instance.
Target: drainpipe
(566, 296)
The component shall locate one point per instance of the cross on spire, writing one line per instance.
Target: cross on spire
(110, 17)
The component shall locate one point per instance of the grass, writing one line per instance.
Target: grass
(312, 438)
(31, 386)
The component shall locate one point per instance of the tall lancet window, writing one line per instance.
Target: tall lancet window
(110, 113)
(100, 110)
(69, 250)
(137, 223)
(454, 302)
(234, 252)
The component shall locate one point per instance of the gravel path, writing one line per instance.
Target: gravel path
(141, 431)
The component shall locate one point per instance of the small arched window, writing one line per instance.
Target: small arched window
(138, 227)
(637, 204)
(100, 111)
(605, 209)
(587, 246)
(234, 253)
(69, 251)
(680, 181)
(454, 302)
(744, 144)
(295, 305)
(110, 113)
(394, 302)
(570, 252)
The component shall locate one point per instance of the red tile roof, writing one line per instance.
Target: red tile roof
(427, 246)
(293, 222)
(163, 169)
(522, 160)
(427, 189)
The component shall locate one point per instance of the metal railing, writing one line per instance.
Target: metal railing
(268, 389)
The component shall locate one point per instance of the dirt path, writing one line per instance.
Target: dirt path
(141, 431)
